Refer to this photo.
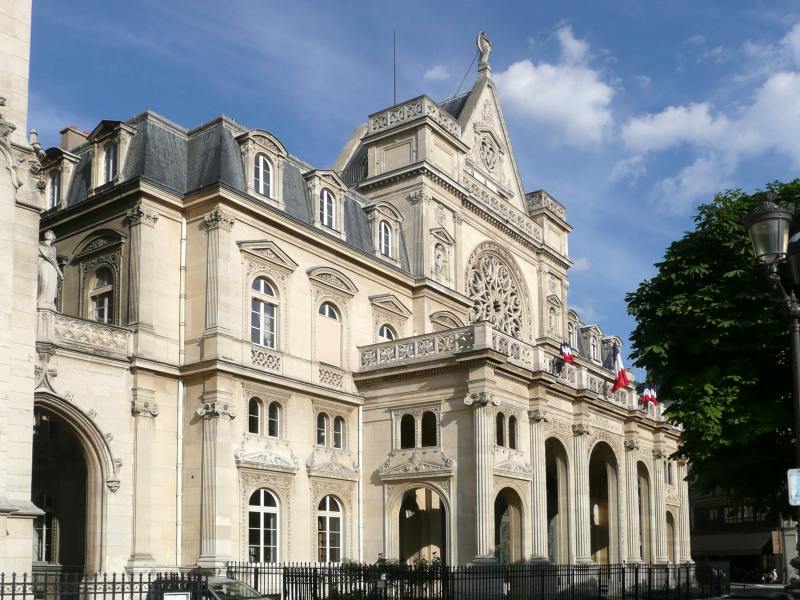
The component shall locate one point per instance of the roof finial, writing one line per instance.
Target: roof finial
(484, 48)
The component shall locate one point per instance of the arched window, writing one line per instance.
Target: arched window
(553, 321)
(262, 178)
(254, 416)
(512, 432)
(101, 296)
(326, 309)
(263, 314)
(593, 344)
(338, 432)
(262, 527)
(329, 530)
(428, 429)
(385, 238)
(54, 189)
(386, 333)
(109, 162)
(327, 209)
(573, 341)
(407, 432)
(322, 429)
(501, 429)
(274, 419)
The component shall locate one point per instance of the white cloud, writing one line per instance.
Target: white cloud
(643, 81)
(631, 169)
(673, 126)
(570, 97)
(717, 54)
(696, 39)
(581, 263)
(701, 180)
(437, 73)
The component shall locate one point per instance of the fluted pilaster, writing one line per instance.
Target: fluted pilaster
(537, 418)
(632, 495)
(685, 540)
(141, 266)
(218, 225)
(660, 507)
(215, 510)
(144, 410)
(583, 549)
(484, 443)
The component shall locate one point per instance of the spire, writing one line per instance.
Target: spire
(484, 49)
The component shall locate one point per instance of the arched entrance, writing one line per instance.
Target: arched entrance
(672, 550)
(645, 512)
(508, 530)
(422, 526)
(59, 488)
(557, 501)
(604, 504)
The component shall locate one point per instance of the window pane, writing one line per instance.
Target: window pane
(322, 429)
(274, 419)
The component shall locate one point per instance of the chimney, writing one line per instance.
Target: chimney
(71, 138)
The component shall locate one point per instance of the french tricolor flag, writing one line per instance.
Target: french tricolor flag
(614, 362)
(566, 353)
(648, 393)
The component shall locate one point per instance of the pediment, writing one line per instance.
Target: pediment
(266, 458)
(386, 210)
(269, 251)
(420, 462)
(390, 303)
(441, 234)
(265, 140)
(334, 279)
(446, 319)
(553, 299)
(327, 177)
(592, 329)
(330, 462)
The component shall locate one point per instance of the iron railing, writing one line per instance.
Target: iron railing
(502, 582)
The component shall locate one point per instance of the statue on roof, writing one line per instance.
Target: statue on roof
(484, 49)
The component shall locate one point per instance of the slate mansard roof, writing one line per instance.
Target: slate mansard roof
(185, 160)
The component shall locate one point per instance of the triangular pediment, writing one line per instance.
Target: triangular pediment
(553, 299)
(268, 251)
(332, 278)
(390, 303)
(441, 234)
(327, 177)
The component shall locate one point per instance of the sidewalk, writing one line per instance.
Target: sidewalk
(753, 590)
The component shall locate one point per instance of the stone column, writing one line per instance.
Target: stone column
(216, 525)
(537, 417)
(144, 411)
(660, 508)
(583, 548)
(484, 472)
(685, 545)
(458, 251)
(218, 225)
(632, 494)
(142, 266)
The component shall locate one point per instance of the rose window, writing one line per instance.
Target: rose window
(496, 294)
(488, 153)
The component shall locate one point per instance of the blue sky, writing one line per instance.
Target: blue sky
(628, 112)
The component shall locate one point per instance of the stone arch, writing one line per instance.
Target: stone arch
(671, 530)
(494, 282)
(559, 499)
(645, 496)
(605, 503)
(509, 524)
(101, 471)
(394, 503)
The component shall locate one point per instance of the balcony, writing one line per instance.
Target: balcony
(83, 335)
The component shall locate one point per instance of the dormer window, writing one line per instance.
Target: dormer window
(102, 296)
(262, 180)
(109, 162)
(327, 209)
(593, 347)
(385, 236)
(54, 189)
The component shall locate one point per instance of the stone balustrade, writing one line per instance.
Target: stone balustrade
(83, 335)
(413, 109)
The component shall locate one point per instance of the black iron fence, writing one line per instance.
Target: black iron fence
(61, 585)
(501, 582)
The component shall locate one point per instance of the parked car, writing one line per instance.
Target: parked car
(217, 588)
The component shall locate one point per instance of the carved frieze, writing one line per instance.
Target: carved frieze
(511, 463)
(273, 455)
(219, 218)
(332, 462)
(416, 463)
(216, 409)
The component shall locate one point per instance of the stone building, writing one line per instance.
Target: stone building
(249, 358)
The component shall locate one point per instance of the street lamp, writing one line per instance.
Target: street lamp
(769, 231)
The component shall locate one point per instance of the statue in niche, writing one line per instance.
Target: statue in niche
(440, 262)
(484, 49)
(49, 272)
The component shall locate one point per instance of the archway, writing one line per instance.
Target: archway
(59, 488)
(422, 526)
(645, 512)
(672, 550)
(557, 501)
(604, 504)
(508, 530)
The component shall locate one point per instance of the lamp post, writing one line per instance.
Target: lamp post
(769, 226)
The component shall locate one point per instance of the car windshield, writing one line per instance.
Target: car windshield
(234, 590)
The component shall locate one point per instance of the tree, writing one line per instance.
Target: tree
(711, 335)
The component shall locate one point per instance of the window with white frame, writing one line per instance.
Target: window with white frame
(274, 411)
(263, 313)
(326, 309)
(101, 296)
(593, 347)
(254, 408)
(263, 522)
(322, 429)
(109, 161)
(386, 333)
(327, 208)
(262, 178)
(329, 530)
(385, 238)
(54, 189)
(572, 338)
(338, 432)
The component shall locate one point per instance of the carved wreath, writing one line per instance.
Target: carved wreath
(496, 294)
(488, 153)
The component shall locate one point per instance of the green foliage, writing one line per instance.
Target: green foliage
(711, 335)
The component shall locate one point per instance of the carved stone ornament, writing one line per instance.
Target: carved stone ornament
(538, 415)
(630, 445)
(144, 408)
(139, 215)
(402, 464)
(488, 152)
(218, 218)
(418, 196)
(496, 294)
(332, 462)
(480, 399)
(113, 485)
(275, 456)
(216, 409)
(581, 429)
(658, 453)
(511, 463)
